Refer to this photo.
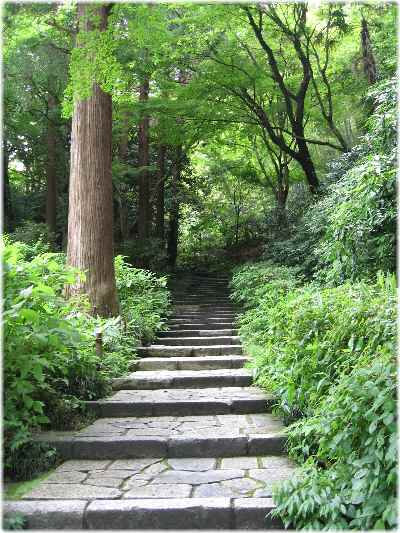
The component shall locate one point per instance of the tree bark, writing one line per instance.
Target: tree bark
(294, 102)
(307, 164)
(121, 192)
(90, 217)
(160, 207)
(9, 218)
(281, 215)
(144, 208)
(51, 172)
(172, 245)
(369, 62)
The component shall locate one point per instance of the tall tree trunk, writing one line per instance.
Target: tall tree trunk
(160, 207)
(8, 210)
(281, 215)
(307, 164)
(144, 210)
(369, 63)
(281, 194)
(90, 217)
(51, 172)
(172, 245)
(121, 193)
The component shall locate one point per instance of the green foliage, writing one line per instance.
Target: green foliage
(328, 355)
(349, 232)
(144, 300)
(33, 238)
(360, 209)
(30, 459)
(350, 480)
(252, 283)
(324, 331)
(151, 252)
(51, 365)
(93, 61)
(14, 522)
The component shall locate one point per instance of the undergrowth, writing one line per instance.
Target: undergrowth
(51, 365)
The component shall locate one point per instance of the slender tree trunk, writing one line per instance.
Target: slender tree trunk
(160, 207)
(51, 172)
(144, 208)
(369, 62)
(90, 218)
(123, 215)
(281, 215)
(124, 140)
(123, 157)
(172, 245)
(237, 224)
(9, 218)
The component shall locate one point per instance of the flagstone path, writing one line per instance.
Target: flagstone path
(185, 442)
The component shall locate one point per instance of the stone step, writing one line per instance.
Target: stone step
(197, 340)
(172, 436)
(202, 320)
(206, 299)
(159, 492)
(200, 308)
(220, 293)
(203, 298)
(191, 363)
(179, 325)
(146, 514)
(220, 290)
(197, 333)
(205, 315)
(207, 311)
(189, 351)
(181, 379)
(179, 402)
(184, 443)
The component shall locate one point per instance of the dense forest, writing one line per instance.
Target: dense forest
(141, 141)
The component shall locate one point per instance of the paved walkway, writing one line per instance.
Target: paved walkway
(185, 442)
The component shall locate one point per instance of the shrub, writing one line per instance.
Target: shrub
(51, 365)
(144, 299)
(350, 480)
(14, 521)
(33, 237)
(253, 282)
(350, 232)
(30, 459)
(328, 356)
(310, 336)
(151, 253)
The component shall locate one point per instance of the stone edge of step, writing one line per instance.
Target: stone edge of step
(173, 513)
(168, 379)
(82, 447)
(205, 362)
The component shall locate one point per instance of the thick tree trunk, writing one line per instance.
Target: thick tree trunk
(51, 172)
(172, 245)
(90, 218)
(144, 209)
(307, 164)
(160, 207)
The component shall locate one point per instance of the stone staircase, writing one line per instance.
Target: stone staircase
(185, 442)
